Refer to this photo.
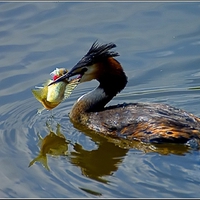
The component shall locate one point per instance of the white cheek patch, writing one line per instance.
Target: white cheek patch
(90, 74)
(94, 96)
(91, 69)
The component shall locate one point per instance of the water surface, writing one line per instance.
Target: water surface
(159, 45)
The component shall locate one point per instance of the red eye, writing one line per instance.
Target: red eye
(55, 77)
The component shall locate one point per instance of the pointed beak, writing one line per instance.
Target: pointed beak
(62, 78)
(76, 70)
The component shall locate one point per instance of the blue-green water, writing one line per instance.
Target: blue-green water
(159, 47)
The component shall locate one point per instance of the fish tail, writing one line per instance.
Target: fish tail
(41, 92)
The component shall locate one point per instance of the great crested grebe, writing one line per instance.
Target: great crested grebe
(146, 122)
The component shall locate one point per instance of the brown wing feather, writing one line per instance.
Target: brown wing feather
(146, 122)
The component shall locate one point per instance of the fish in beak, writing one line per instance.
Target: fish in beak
(51, 96)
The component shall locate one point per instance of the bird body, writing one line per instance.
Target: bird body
(145, 122)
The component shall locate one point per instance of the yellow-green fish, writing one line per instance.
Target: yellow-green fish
(51, 96)
(54, 144)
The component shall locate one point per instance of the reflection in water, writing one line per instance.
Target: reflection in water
(110, 152)
(103, 160)
(100, 162)
(53, 144)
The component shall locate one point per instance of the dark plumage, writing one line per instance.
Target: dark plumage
(146, 122)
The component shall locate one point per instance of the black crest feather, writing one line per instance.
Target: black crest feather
(98, 52)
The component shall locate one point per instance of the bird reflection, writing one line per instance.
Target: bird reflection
(54, 144)
(102, 161)
(110, 152)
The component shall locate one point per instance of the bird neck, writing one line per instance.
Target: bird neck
(112, 77)
(112, 80)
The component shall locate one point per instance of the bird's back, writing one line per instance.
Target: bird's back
(146, 122)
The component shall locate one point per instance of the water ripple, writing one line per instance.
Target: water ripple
(159, 48)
